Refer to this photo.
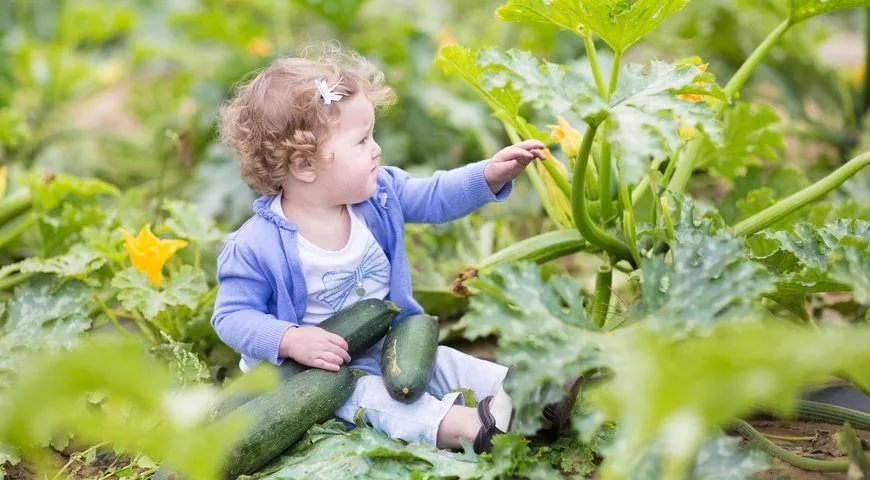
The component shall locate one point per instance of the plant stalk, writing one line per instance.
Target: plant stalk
(587, 228)
(614, 74)
(787, 205)
(601, 301)
(604, 174)
(866, 104)
(15, 228)
(592, 55)
(13, 280)
(756, 438)
(686, 164)
(14, 206)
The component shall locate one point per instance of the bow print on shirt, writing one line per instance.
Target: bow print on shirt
(340, 283)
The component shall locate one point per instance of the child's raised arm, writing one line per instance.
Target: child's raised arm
(452, 194)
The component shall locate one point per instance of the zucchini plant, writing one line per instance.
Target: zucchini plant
(692, 351)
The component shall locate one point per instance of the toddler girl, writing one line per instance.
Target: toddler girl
(328, 232)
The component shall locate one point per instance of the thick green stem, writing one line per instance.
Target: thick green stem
(558, 177)
(750, 64)
(604, 174)
(587, 228)
(14, 206)
(110, 315)
(601, 301)
(592, 55)
(539, 249)
(640, 189)
(866, 105)
(686, 163)
(15, 228)
(614, 74)
(628, 225)
(13, 280)
(758, 440)
(787, 205)
(832, 413)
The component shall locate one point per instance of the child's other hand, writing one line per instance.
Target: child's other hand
(509, 162)
(314, 347)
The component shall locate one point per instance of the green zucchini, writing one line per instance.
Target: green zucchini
(408, 357)
(361, 325)
(282, 418)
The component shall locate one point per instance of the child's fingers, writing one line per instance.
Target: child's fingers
(331, 358)
(515, 152)
(337, 340)
(323, 364)
(336, 350)
(531, 145)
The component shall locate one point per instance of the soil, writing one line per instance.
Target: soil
(820, 446)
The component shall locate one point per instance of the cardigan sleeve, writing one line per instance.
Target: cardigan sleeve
(446, 195)
(240, 317)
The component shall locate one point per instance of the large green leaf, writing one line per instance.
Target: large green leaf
(549, 87)
(710, 279)
(43, 316)
(804, 9)
(647, 113)
(851, 265)
(64, 227)
(679, 393)
(136, 294)
(563, 14)
(51, 190)
(512, 458)
(186, 222)
(543, 335)
(752, 133)
(78, 263)
(505, 102)
(621, 23)
(812, 260)
(329, 451)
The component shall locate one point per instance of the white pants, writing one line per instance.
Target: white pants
(420, 419)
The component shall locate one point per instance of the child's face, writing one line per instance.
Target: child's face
(352, 174)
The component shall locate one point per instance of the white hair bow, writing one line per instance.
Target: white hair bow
(327, 93)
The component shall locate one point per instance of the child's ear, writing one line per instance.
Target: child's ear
(303, 169)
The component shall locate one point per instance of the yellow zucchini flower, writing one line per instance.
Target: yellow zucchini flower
(148, 253)
(567, 137)
(695, 97)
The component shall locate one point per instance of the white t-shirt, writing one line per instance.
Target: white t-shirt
(339, 278)
(336, 279)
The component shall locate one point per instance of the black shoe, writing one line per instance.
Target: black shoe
(483, 441)
(557, 414)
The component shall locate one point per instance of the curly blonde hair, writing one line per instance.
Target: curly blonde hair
(279, 119)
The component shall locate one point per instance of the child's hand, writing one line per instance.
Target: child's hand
(314, 347)
(509, 162)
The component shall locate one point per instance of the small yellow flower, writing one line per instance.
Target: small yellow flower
(444, 38)
(260, 47)
(566, 136)
(688, 132)
(695, 97)
(858, 74)
(148, 253)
